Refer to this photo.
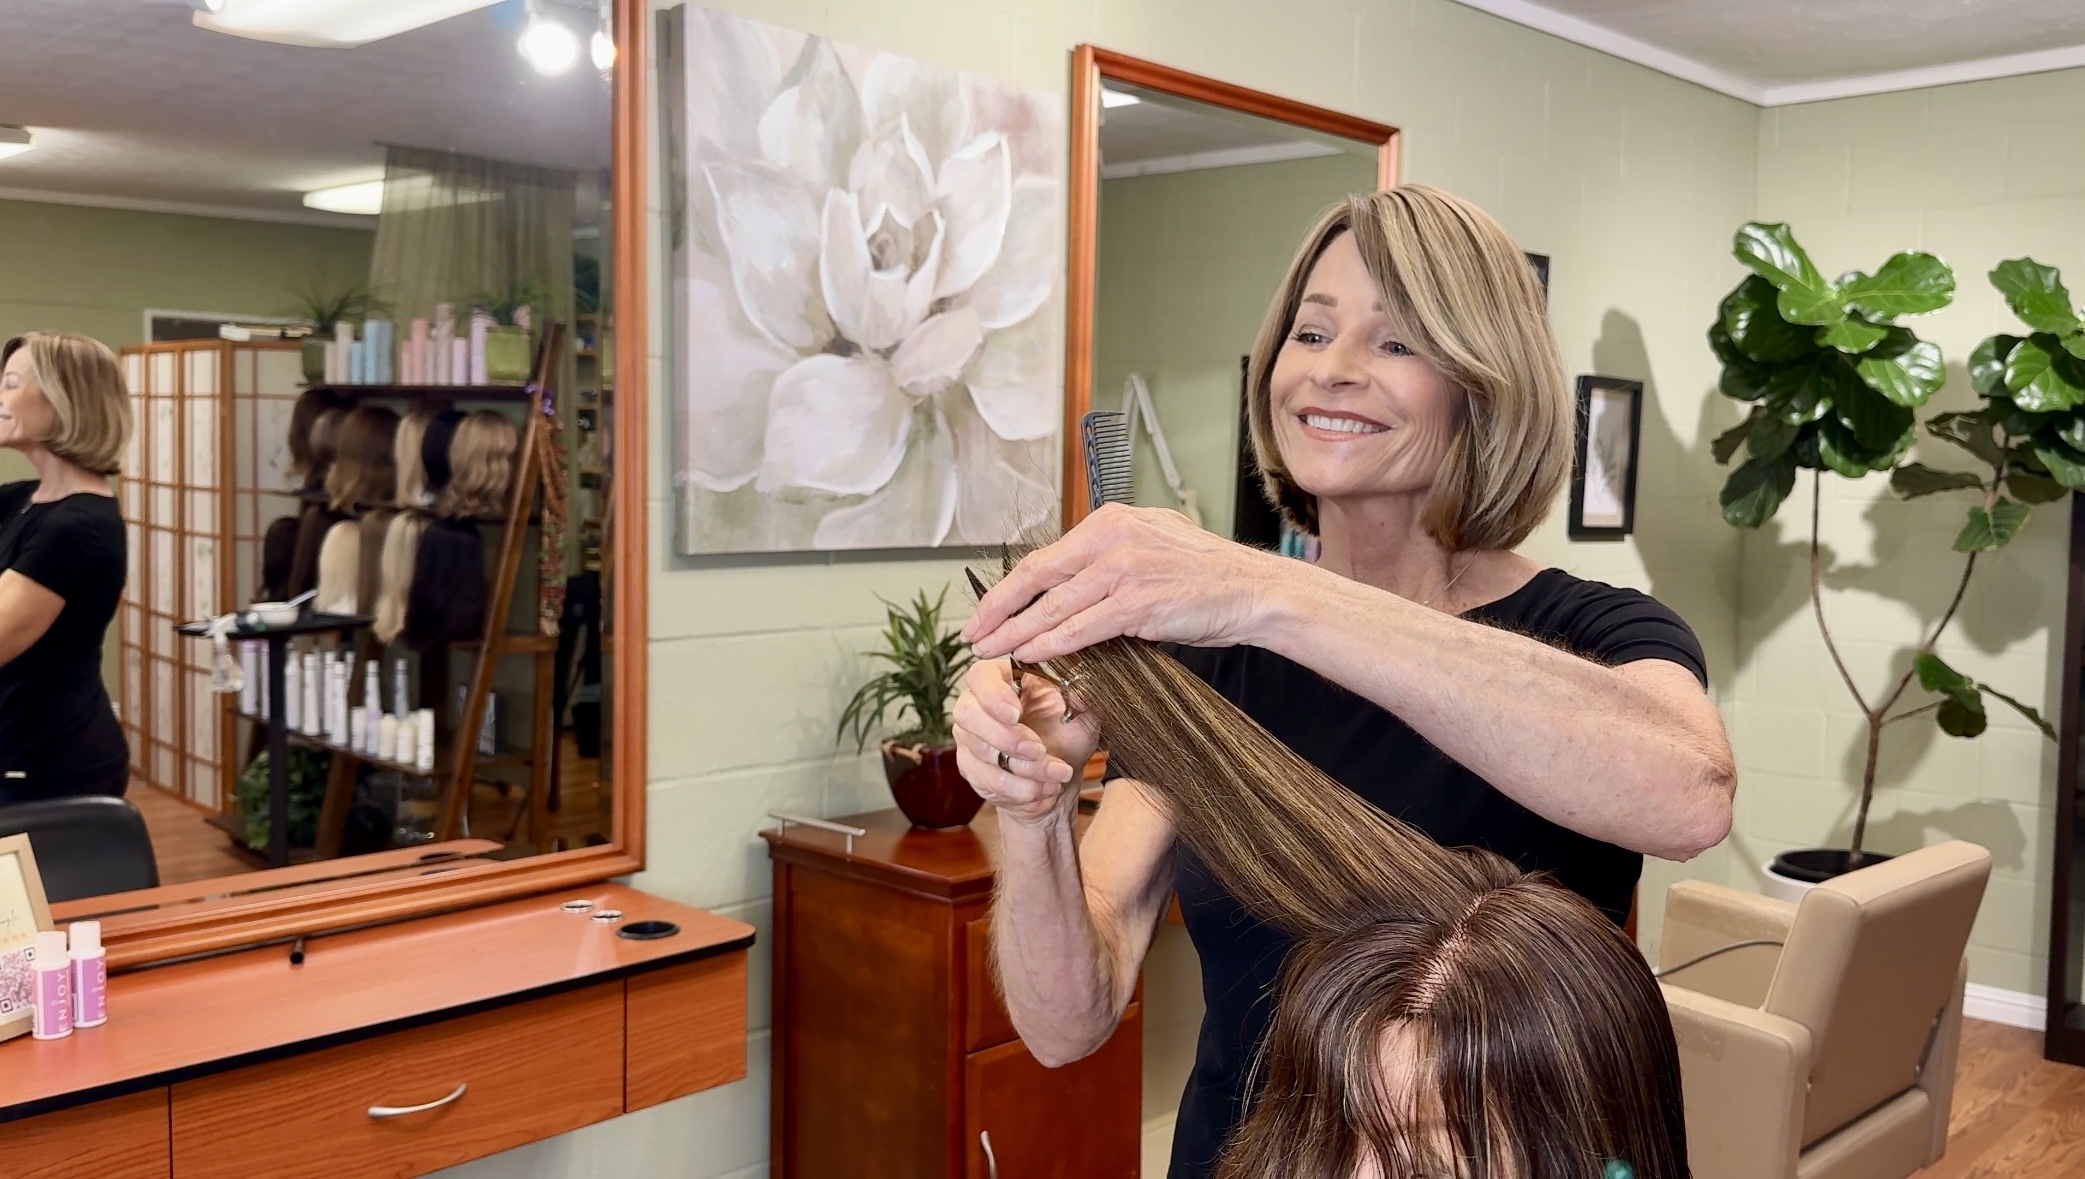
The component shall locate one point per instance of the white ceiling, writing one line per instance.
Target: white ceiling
(1775, 52)
(132, 104)
(1165, 133)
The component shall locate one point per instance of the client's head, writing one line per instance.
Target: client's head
(1521, 1039)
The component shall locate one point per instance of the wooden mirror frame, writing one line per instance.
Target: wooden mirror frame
(177, 921)
(1090, 65)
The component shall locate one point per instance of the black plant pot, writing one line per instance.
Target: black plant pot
(1815, 865)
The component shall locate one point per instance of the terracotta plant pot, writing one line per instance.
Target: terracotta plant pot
(928, 788)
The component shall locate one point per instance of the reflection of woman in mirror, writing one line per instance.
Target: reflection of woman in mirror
(1407, 408)
(62, 562)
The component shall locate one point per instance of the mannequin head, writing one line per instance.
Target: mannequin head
(481, 466)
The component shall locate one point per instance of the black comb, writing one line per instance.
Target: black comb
(1110, 476)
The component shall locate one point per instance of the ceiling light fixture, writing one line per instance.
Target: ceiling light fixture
(547, 44)
(327, 24)
(365, 198)
(602, 45)
(1114, 98)
(15, 140)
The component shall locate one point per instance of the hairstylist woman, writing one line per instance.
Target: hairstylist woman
(62, 563)
(1407, 406)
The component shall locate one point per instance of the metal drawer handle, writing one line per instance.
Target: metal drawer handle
(984, 1139)
(399, 1111)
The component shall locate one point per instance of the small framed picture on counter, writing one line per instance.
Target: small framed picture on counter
(1603, 467)
(23, 915)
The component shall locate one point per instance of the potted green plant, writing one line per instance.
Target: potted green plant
(322, 306)
(924, 668)
(1834, 380)
(507, 354)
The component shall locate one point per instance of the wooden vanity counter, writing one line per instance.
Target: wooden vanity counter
(542, 1020)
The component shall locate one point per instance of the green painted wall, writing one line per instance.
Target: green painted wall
(71, 268)
(1188, 261)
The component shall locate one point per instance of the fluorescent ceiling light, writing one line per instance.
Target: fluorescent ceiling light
(330, 24)
(1115, 98)
(366, 198)
(15, 140)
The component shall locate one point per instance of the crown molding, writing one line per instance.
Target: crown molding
(186, 209)
(1592, 36)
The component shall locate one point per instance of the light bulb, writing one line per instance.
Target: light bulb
(548, 46)
(603, 49)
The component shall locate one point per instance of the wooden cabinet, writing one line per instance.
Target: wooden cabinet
(522, 1022)
(893, 1056)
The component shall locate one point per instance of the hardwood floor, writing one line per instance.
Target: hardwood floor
(2015, 1116)
(189, 849)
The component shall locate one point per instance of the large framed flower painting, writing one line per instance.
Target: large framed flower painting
(866, 295)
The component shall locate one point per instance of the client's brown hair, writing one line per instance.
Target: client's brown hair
(1541, 1044)
(364, 472)
(481, 465)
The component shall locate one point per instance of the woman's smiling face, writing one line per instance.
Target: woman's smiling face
(26, 416)
(1356, 413)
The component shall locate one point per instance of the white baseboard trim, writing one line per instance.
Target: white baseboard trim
(2012, 1008)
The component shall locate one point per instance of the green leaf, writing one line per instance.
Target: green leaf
(2038, 383)
(1970, 431)
(1756, 328)
(1801, 392)
(1877, 422)
(1771, 436)
(1720, 343)
(1962, 716)
(2035, 293)
(1907, 379)
(1744, 381)
(2034, 488)
(1770, 251)
(2032, 716)
(2067, 466)
(1851, 335)
(1987, 531)
(1755, 490)
(1916, 479)
(1987, 364)
(1962, 712)
(1839, 451)
(1727, 443)
(1910, 283)
(2075, 344)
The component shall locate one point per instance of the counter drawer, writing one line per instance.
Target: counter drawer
(525, 1072)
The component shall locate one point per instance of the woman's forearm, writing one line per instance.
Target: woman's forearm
(1055, 969)
(1633, 757)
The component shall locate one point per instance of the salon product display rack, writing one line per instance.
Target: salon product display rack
(457, 759)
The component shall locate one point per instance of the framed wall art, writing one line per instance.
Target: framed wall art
(868, 303)
(23, 915)
(1603, 466)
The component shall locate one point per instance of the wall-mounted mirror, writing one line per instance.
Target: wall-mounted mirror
(368, 272)
(1188, 198)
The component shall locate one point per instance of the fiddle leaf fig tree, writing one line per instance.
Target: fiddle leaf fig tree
(1834, 382)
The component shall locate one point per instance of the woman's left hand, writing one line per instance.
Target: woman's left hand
(1147, 573)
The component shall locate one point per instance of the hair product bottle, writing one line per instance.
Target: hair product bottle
(90, 975)
(50, 985)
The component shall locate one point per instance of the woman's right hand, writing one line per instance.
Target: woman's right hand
(1044, 752)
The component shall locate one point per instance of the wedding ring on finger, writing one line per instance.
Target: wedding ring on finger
(1005, 763)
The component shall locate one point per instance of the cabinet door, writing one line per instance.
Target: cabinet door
(1082, 1121)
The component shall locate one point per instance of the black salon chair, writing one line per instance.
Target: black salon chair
(85, 846)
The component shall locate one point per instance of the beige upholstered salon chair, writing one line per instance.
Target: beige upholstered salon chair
(1833, 1055)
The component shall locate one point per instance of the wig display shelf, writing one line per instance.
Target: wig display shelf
(453, 392)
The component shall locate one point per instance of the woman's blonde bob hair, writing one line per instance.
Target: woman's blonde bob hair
(79, 376)
(1462, 296)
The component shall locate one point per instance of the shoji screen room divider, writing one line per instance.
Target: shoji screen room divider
(204, 475)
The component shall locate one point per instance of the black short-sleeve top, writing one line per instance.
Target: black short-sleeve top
(1382, 759)
(56, 725)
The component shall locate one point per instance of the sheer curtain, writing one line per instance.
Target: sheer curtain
(454, 225)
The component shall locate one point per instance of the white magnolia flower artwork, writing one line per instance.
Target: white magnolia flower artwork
(867, 296)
